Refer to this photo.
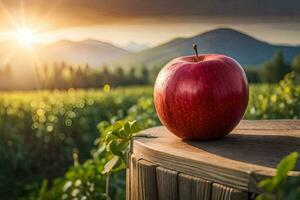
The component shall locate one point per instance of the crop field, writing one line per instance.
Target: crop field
(46, 137)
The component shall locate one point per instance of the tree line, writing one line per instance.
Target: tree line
(273, 70)
(64, 76)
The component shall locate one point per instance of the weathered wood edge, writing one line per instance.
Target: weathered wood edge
(132, 187)
(245, 181)
(229, 177)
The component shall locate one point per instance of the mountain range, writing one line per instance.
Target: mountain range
(246, 49)
(84, 52)
(88, 51)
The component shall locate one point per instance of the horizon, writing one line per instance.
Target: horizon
(146, 24)
(31, 31)
(85, 33)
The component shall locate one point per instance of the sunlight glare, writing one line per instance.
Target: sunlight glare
(25, 36)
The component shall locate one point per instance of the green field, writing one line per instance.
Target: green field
(46, 137)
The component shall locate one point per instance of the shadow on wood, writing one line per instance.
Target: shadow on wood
(263, 150)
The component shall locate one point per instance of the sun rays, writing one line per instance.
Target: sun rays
(25, 32)
(25, 36)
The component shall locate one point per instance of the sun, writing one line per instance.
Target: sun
(25, 36)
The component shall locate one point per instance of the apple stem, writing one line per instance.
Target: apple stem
(196, 51)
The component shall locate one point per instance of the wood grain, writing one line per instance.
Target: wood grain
(246, 154)
(167, 184)
(192, 188)
(281, 124)
(128, 192)
(220, 192)
(133, 178)
(147, 186)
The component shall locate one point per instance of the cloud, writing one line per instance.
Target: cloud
(69, 12)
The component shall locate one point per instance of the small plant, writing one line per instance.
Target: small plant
(116, 142)
(281, 187)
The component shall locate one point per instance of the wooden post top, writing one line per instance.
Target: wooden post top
(242, 158)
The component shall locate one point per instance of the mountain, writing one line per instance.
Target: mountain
(22, 60)
(135, 47)
(93, 52)
(245, 49)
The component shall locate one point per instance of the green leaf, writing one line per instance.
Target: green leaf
(126, 155)
(110, 164)
(127, 128)
(266, 184)
(134, 127)
(102, 126)
(101, 148)
(98, 141)
(287, 164)
(123, 145)
(118, 140)
(120, 167)
(118, 125)
(43, 189)
(114, 127)
(113, 147)
(116, 133)
(117, 129)
(123, 134)
(110, 137)
(124, 148)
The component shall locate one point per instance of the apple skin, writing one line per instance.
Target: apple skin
(201, 99)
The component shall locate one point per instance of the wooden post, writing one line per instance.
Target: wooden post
(220, 192)
(167, 184)
(193, 188)
(164, 167)
(147, 188)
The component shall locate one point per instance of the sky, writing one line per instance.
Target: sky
(150, 22)
(152, 33)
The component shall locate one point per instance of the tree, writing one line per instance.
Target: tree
(143, 75)
(131, 78)
(296, 67)
(275, 69)
(104, 76)
(85, 76)
(252, 75)
(296, 64)
(118, 77)
(153, 73)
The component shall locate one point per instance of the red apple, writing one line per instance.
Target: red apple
(201, 97)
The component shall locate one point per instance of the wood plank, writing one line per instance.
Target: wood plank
(203, 158)
(128, 183)
(133, 178)
(147, 185)
(220, 192)
(192, 188)
(281, 124)
(166, 184)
